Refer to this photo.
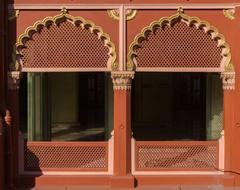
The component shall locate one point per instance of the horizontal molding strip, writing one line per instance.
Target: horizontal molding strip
(126, 6)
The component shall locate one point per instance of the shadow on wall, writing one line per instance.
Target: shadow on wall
(31, 169)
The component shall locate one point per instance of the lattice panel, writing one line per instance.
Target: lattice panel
(65, 46)
(167, 155)
(179, 45)
(67, 156)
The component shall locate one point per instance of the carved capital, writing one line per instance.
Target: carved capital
(14, 80)
(122, 80)
(228, 80)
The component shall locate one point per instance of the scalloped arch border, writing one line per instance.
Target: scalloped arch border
(213, 31)
(87, 24)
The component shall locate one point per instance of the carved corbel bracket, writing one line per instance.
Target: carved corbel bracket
(14, 79)
(228, 80)
(122, 80)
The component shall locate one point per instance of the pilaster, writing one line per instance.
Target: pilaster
(122, 176)
(228, 126)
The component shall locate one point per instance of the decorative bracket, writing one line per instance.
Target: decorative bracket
(122, 80)
(14, 80)
(114, 14)
(229, 13)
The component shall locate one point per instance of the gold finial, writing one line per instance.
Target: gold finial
(180, 10)
(64, 11)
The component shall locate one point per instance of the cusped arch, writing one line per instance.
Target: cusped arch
(65, 43)
(181, 43)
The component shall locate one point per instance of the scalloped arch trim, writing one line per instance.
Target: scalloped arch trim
(190, 21)
(77, 21)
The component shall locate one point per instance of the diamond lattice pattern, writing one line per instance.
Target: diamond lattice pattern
(65, 46)
(68, 156)
(153, 156)
(179, 45)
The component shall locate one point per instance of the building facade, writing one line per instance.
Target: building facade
(119, 93)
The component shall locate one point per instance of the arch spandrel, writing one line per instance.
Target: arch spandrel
(99, 47)
(221, 63)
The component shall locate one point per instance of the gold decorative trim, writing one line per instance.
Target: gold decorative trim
(63, 16)
(227, 73)
(114, 14)
(229, 13)
(122, 80)
(13, 14)
(180, 16)
(64, 11)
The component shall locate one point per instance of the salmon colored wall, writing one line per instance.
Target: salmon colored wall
(230, 29)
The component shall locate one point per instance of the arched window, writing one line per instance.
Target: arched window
(178, 93)
(66, 86)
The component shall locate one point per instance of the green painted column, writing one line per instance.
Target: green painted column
(214, 105)
(38, 120)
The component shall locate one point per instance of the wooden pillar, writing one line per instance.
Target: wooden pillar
(228, 126)
(3, 13)
(2, 155)
(122, 130)
(12, 128)
(9, 140)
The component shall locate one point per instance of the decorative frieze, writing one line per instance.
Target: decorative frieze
(122, 80)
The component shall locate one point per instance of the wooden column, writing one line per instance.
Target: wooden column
(2, 154)
(3, 13)
(122, 129)
(228, 126)
(12, 128)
